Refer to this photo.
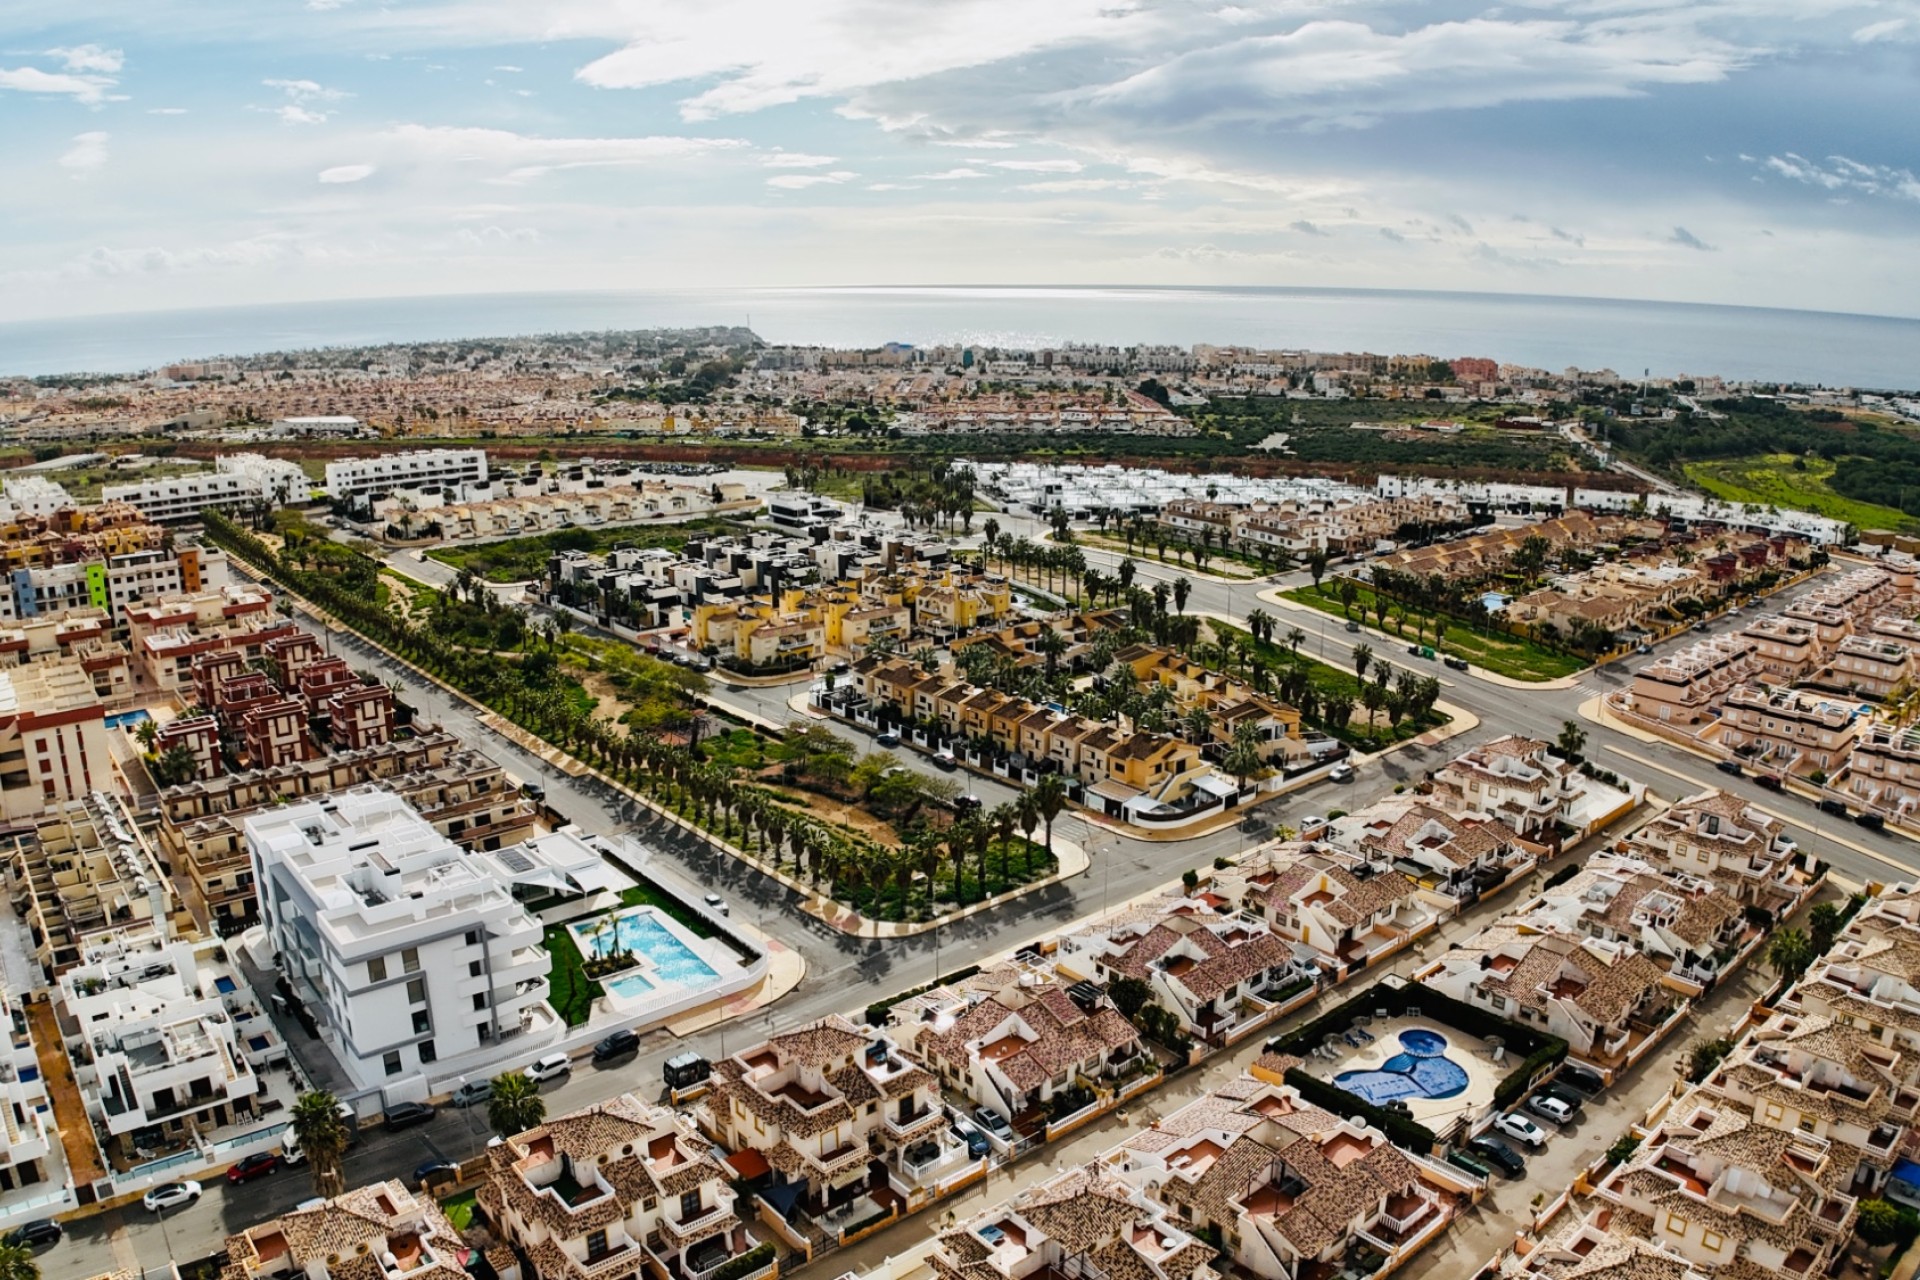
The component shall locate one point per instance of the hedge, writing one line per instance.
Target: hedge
(746, 1264)
(1563, 875)
(877, 1011)
(1401, 1131)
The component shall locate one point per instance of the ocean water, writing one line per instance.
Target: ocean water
(1633, 338)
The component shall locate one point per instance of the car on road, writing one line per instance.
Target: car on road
(1643, 650)
(1871, 821)
(970, 1134)
(1552, 1108)
(1730, 767)
(618, 1045)
(1413, 650)
(405, 1115)
(993, 1122)
(171, 1196)
(1498, 1154)
(888, 739)
(1458, 664)
(1353, 626)
(1340, 773)
(945, 759)
(1514, 1125)
(472, 1093)
(1837, 808)
(717, 905)
(1770, 781)
(550, 1067)
(1580, 1079)
(436, 1171)
(38, 1234)
(257, 1165)
(1312, 822)
(966, 804)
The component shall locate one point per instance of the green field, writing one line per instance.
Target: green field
(1496, 651)
(522, 559)
(1773, 479)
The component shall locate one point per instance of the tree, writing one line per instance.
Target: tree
(1789, 953)
(1260, 624)
(1181, 590)
(1129, 995)
(1127, 571)
(1572, 741)
(147, 732)
(322, 1133)
(1704, 1056)
(1049, 797)
(174, 766)
(516, 1105)
(1362, 659)
(1824, 923)
(17, 1262)
(1882, 1223)
(1243, 758)
(1317, 561)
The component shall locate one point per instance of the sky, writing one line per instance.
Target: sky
(166, 153)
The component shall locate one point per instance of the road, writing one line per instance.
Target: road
(844, 973)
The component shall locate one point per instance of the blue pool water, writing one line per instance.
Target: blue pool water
(671, 960)
(631, 985)
(1422, 1070)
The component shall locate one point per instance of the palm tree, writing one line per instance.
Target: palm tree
(323, 1137)
(1181, 590)
(1243, 758)
(1362, 659)
(1259, 623)
(1790, 952)
(516, 1105)
(17, 1262)
(1050, 797)
(1572, 741)
(147, 732)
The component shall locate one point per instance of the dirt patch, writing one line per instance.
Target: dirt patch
(830, 811)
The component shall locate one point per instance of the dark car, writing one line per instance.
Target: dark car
(1353, 626)
(1770, 781)
(405, 1115)
(1473, 1164)
(1729, 767)
(1458, 664)
(618, 1045)
(1580, 1079)
(257, 1165)
(888, 739)
(37, 1234)
(436, 1171)
(976, 1141)
(1835, 807)
(1499, 1154)
(1871, 821)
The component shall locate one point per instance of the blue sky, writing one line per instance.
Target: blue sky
(165, 154)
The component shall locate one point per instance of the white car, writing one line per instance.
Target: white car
(170, 1196)
(551, 1067)
(1340, 773)
(1312, 822)
(717, 905)
(1518, 1127)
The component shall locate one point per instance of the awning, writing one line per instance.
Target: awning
(1215, 785)
(748, 1163)
(1116, 791)
(783, 1197)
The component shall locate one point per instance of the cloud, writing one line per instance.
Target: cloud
(1840, 173)
(509, 68)
(1687, 240)
(797, 160)
(344, 173)
(1038, 166)
(892, 186)
(1306, 228)
(1389, 233)
(90, 59)
(253, 252)
(952, 175)
(795, 181)
(1459, 223)
(1078, 184)
(291, 114)
(524, 157)
(1879, 30)
(306, 90)
(88, 90)
(166, 111)
(88, 152)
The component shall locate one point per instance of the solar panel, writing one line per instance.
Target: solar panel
(515, 860)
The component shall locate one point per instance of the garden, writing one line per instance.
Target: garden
(1398, 704)
(1479, 642)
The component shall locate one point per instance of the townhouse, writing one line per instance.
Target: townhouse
(1883, 771)
(1338, 912)
(1682, 920)
(1788, 730)
(1231, 704)
(1287, 1190)
(1679, 688)
(1084, 1224)
(1870, 978)
(30, 1144)
(380, 1232)
(1457, 857)
(828, 1109)
(1870, 666)
(621, 1188)
(1721, 838)
(1013, 1048)
(1784, 646)
(1217, 975)
(1540, 796)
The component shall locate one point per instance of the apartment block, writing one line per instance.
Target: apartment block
(1784, 647)
(360, 717)
(1871, 666)
(200, 737)
(84, 870)
(30, 1150)
(1788, 730)
(1678, 688)
(417, 964)
(348, 478)
(53, 737)
(624, 1188)
(1719, 837)
(1883, 771)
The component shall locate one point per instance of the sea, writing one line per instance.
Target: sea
(1635, 339)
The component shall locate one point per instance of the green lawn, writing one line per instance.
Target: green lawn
(1021, 862)
(459, 1208)
(572, 991)
(1221, 564)
(1773, 479)
(1498, 652)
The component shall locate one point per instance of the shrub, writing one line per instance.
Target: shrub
(1563, 875)
(752, 1260)
(1622, 1151)
(877, 1011)
(1399, 1129)
(1221, 863)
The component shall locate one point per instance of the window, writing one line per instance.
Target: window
(473, 968)
(377, 969)
(473, 937)
(422, 1023)
(1775, 1112)
(416, 991)
(391, 1062)
(596, 1244)
(479, 999)
(410, 960)
(1676, 1224)
(1806, 1124)
(427, 1052)
(689, 1205)
(1711, 1241)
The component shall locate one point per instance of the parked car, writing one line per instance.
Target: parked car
(1413, 650)
(38, 1234)
(1458, 664)
(1871, 821)
(1312, 822)
(970, 1134)
(435, 1171)
(171, 1196)
(1471, 1163)
(1643, 650)
(257, 1165)
(618, 1045)
(1565, 1093)
(1515, 1125)
(1731, 767)
(1353, 626)
(550, 1067)
(1496, 1152)
(966, 804)
(1554, 1109)
(1583, 1079)
(405, 1115)
(888, 739)
(1770, 781)
(1837, 808)
(471, 1093)
(1340, 773)
(946, 759)
(993, 1122)
(717, 905)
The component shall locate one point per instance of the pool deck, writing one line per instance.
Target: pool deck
(1483, 1074)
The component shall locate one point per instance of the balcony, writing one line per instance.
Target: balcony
(694, 1228)
(922, 1121)
(840, 1159)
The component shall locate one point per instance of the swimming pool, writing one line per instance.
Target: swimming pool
(1420, 1070)
(662, 956)
(630, 985)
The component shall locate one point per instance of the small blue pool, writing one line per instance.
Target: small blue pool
(1420, 1070)
(638, 931)
(126, 719)
(631, 985)
(224, 985)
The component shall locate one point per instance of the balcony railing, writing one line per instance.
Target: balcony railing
(692, 1226)
(913, 1125)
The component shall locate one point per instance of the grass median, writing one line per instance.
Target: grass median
(1495, 651)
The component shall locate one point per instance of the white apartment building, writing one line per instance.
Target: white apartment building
(30, 1150)
(173, 499)
(418, 965)
(53, 737)
(352, 477)
(30, 494)
(279, 480)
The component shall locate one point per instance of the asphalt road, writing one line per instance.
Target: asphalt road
(844, 973)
